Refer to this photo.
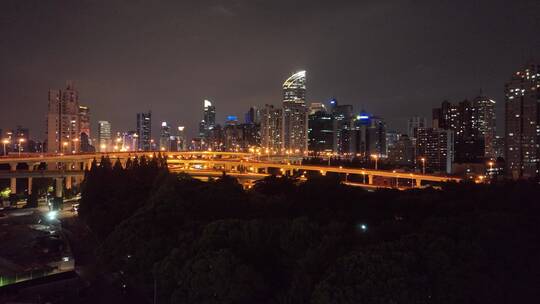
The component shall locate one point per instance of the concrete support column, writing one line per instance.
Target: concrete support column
(30, 168)
(418, 182)
(13, 180)
(59, 187)
(68, 182)
(370, 179)
(78, 180)
(13, 185)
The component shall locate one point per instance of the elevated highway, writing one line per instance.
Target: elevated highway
(247, 167)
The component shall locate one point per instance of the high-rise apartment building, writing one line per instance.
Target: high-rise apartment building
(483, 120)
(63, 119)
(343, 118)
(436, 147)
(144, 131)
(253, 116)
(181, 144)
(271, 128)
(209, 120)
(413, 123)
(522, 120)
(295, 113)
(165, 137)
(400, 149)
(84, 128)
(321, 132)
(104, 136)
(462, 119)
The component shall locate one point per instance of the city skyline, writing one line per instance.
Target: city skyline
(378, 73)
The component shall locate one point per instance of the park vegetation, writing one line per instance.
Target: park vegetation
(319, 241)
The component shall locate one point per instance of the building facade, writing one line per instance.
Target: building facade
(165, 137)
(522, 121)
(484, 121)
(271, 128)
(104, 136)
(144, 131)
(295, 114)
(321, 132)
(436, 147)
(63, 119)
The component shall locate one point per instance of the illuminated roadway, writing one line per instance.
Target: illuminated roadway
(244, 166)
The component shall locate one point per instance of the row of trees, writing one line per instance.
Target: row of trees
(111, 192)
(313, 242)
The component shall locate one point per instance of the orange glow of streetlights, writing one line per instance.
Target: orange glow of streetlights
(376, 158)
(5, 142)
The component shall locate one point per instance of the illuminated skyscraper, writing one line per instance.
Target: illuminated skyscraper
(522, 120)
(104, 136)
(209, 119)
(84, 129)
(271, 128)
(462, 118)
(295, 113)
(144, 131)
(181, 144)
(321, 132)
(343, 124)
(63, 119)
(165, 137)
(436, 146)
(484, 122)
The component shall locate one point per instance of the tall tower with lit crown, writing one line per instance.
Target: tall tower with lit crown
(295, 114)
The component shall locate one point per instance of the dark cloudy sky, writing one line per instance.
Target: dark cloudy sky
(393, 58)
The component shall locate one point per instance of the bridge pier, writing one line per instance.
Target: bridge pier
(370, 179)
(13, 180)
(418, 183)
(59, 191)
(68, 182)
(30, 168)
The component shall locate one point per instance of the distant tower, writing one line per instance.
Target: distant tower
(413, 123)
(271, 128)
(484, 122)
(165, 137)
(209, 119)
(295, 113)
(84, 129)
(522, 114)
(104, 136)
(63, 119)
(181, 139)
(144, 131)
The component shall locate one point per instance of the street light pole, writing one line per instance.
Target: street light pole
(5, 142)
(376, 157)
(21, 140)
(423, 165)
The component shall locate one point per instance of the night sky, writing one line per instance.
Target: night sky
(393, 58)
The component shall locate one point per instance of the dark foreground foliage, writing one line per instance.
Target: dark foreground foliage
(314, 242)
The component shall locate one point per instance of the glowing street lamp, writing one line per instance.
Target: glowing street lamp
(21, 140)
(5, 142)
(423, 159)
(376, 158)
(102, 147)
